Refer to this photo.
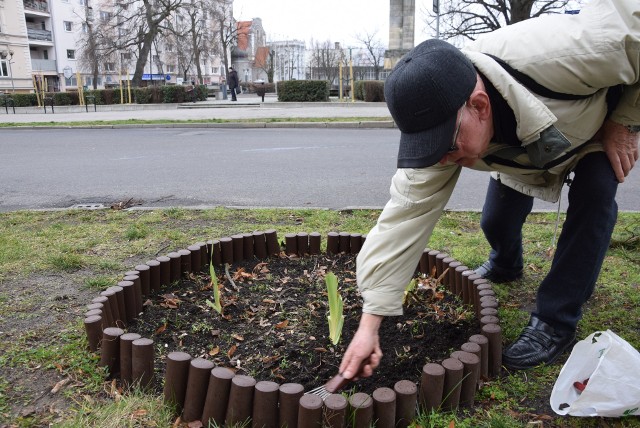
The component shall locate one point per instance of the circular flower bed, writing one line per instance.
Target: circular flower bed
(268, 347)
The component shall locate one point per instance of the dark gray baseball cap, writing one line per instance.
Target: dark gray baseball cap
(424, 92)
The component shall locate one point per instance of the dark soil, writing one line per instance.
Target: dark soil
(274, 327)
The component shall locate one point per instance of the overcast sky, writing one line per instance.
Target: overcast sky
(334, 20)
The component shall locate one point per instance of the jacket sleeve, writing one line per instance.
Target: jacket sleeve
(392, 250)
(627, 111)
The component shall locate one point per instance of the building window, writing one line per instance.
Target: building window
(88, 81)
(71, 54)
(125, 56)
(105, 16)
(68, 26)
(215, 70)
(110, 66)
(169, 47)
(82, 2)
(4, 68)
(85, 27)
(71, 81)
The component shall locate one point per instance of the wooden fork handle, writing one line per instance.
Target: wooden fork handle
(338, 382)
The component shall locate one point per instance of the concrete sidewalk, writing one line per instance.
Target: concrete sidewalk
(248, 106)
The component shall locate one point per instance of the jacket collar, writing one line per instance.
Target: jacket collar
(532, 116)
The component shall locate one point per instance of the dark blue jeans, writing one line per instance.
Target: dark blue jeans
(582, 244)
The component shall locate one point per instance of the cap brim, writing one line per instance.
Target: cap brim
(426, 148)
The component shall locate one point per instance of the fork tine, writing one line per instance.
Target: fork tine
(320, 391)
(316, 390)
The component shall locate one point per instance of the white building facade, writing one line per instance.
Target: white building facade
(41, 47)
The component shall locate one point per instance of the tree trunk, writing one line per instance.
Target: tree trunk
(520, 10)
(141, 62)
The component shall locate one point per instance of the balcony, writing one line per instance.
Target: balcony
(43, 65)
(44, 35)
(36, 6)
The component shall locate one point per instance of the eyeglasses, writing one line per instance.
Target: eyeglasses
(454, 146)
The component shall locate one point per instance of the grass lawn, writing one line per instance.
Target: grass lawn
(53, 262)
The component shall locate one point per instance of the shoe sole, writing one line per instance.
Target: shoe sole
(502, 280)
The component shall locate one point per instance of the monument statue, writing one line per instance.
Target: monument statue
(401, 30)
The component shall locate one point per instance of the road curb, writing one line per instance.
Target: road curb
(228, 125)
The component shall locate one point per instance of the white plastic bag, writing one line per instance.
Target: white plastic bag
(612, 367)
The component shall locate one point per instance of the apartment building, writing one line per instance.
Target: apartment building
(42, 45)
(15, 58)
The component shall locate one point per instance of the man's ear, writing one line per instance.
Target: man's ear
(479, 101)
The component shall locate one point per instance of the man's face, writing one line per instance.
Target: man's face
(470, 140)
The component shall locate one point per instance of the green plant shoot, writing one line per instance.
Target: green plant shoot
(411, 286)
(216, 291)
(335, 317)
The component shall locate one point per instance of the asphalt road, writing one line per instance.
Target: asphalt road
(161, 167)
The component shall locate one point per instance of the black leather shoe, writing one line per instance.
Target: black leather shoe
(496, 275)
(539, 343)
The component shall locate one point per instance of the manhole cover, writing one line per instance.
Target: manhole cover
(89, 206)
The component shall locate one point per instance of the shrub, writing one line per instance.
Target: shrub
(125, 95)
(172, 94)
(148, 95)
(96, 93)
(64, 98)
(141, 95)
(358, 90)
(182, 93)
(156, 94)
(370, 90)
(24, 100)
(303, 90)
(202, 92)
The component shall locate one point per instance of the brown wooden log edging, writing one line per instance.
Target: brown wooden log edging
(200, 391)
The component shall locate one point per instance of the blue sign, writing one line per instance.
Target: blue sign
(147, 76)
(168, 77)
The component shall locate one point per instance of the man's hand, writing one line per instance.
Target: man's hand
(365, 344)
(621, 147)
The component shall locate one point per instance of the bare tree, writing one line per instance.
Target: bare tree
(179, 53)
(267, 64)
(373, 52)
(195, 30)
(288, 59)
(97, 51)
(325, 58)
(226, 29)
(89, 55)
(472, 18)
(134, 25)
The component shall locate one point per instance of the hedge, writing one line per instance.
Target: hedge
(153, 95)
(369, 90)
(303, 90)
